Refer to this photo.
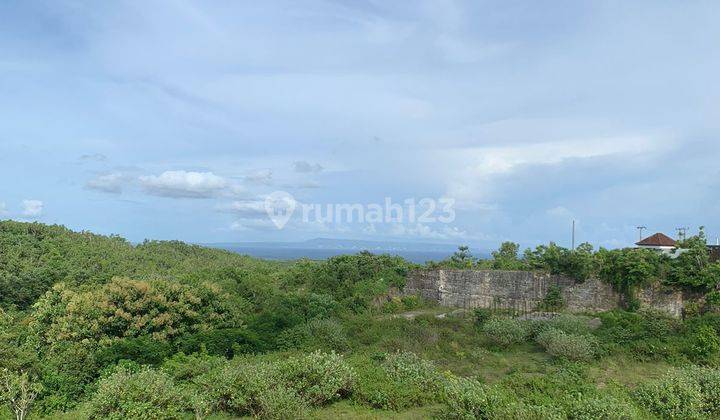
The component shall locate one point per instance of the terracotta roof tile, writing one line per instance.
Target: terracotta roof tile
(657, 239)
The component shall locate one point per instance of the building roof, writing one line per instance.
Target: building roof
(657, 239)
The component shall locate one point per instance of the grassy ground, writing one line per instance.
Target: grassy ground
(347, 410)
(456, 345)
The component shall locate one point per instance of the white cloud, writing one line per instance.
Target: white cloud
(247, 208)
(241, 225)
(302, 185)
(32, 208)
(183, 184)
(302, 166)
(420, 230)
(262, 177)
(93, 157)
(3, 209)
(472, 183)
(559, 211)
(110, 183)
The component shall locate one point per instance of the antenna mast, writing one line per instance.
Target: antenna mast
(640, 229)
(682, 232)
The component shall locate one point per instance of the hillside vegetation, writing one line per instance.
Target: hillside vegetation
(94, 327)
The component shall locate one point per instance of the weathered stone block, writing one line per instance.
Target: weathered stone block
(523, 291)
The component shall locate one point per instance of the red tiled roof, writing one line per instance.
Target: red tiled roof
(657, 239)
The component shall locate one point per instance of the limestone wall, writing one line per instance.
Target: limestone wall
(523, 291)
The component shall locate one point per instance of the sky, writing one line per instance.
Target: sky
(178, 119)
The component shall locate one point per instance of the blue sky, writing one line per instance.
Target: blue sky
(175, 119)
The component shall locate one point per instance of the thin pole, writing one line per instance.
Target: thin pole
(573, 236)
(640, 229)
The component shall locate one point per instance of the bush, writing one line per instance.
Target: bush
(318, 378)
(709, 381)
(568, 346)
(517, 410)
(374, 387)
(188, 367)
(393, 305)
(705, 343)
(144, 394)
(712, 298)
(411, 302)
(408, 368)
(280, 403)
(606, 407)
(553, 300)
(271, 389)
(676, 395)
(466, 399)
(571, 324)
(143, 350)
(226, 342)
(66, 372)
(235, 387)
(482, 315)
(505, 331)
(403, 380)
(324, 334)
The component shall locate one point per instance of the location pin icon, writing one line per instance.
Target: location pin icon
(280, 206)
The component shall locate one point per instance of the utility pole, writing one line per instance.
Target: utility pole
(682, 232)
(641, 228)
(573, 236)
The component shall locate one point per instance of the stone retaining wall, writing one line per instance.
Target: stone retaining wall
(524, 291)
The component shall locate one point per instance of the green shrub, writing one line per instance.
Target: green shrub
(408, 368)
(324, 334)
(411, 302)
(705, 343)
(568, 346)
(482, 315)
(393, 306)
(601, 406)
(318, 378)
(144, 394)
(143, 350)
(226, 342)
(375, 388)
(244, 388)
(512, 410)
(647, 335)
(709, 381)
(466, 399)
(281, 403)
(505, 331)
(235, 387)
(66, 372)
(553, 300)
(550, 388)
(188, 367)
(676, 396)
(712, 302)
(571, 324)
(691, 310)
(401, 381)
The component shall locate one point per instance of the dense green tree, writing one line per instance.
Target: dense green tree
(462, 258)
(692, 267)
(132, 308)
(18, 391)
(506, 257)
